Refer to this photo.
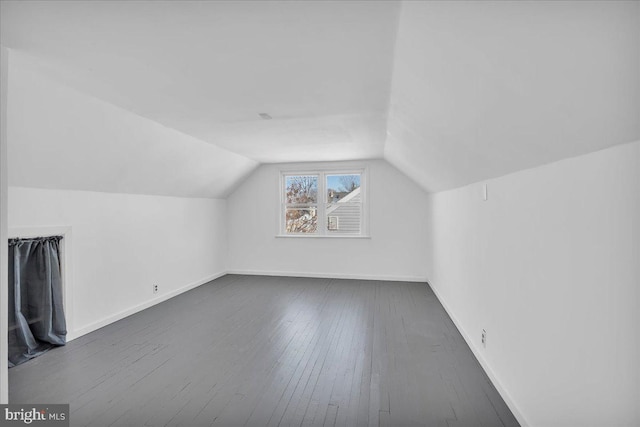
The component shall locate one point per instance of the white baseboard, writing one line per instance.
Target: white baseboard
(71, 335)
(492, 376)
(132, 310)
(330, 275)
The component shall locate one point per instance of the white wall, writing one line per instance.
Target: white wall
(550, 267)
(123, 244)
(4, 75)
(395, 250)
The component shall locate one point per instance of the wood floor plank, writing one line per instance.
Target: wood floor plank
(272, 351)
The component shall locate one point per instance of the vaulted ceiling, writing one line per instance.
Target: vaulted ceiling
(449, 92)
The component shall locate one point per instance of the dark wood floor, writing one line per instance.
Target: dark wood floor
(269, 351)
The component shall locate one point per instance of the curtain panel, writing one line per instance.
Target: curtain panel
(36, 313)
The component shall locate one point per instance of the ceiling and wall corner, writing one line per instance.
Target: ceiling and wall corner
(449, 92)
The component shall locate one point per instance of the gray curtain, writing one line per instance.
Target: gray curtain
(36, 316)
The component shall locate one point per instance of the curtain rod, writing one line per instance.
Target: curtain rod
(14, 240)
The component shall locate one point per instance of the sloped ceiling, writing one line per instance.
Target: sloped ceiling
(322, 70)
(449, 92)
(482, 89)
(60, 138)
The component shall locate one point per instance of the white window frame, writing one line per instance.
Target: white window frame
(322, 231)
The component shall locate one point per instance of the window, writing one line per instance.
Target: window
(301, 203)
(323, 203)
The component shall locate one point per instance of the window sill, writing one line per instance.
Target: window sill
(317, 236)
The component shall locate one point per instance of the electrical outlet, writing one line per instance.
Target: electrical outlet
(484, 338)
(155, 289)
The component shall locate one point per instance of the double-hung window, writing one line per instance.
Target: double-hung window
(323, 203)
